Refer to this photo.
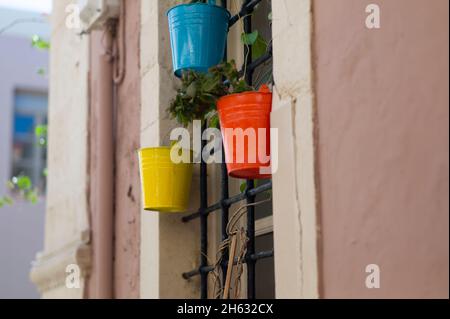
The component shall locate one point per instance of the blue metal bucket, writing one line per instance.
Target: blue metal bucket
(198, 34)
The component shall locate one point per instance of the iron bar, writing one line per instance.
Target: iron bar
(208, 269)
(261, 60)
(225, 201)
(204, 223)
(224, 194)
(251, 287)
(228, 202)
(246, 9)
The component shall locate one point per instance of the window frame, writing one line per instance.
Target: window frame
(262, 226)
(40, 116)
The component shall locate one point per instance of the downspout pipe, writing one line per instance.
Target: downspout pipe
(107, 73)
(102, 171)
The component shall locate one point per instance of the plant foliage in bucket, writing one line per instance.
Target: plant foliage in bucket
(198, 33)
(165, 184)
(222, 97)
(198, 94)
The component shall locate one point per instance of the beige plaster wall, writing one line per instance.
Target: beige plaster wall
(168, 246)
(294, 183)
(66, 227)
(382, 101)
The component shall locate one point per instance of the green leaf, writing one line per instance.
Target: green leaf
(40, 130)
(258, 43)
(32, 196)
(8, 200)
(41, 71)
(249, 38)
(41, 134)
(191, 91)
(199, 93)
(23, 182)
(241, 86)
(5, 201)
(243, 186)
(270, 16)
(39, 43)
(10, 185)
(45, 172)
(211, 84)
(259, 48)
(214, 121)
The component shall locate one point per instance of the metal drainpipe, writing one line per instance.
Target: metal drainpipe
(103, 174)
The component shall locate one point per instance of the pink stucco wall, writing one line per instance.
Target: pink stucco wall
(383, 157)
(126, 143)
(128, 122)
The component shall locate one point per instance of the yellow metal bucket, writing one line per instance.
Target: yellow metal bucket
(165, 185)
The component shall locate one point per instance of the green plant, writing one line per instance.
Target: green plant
(5, 200)
(41, 135)
(259, 47)
(22, 184)
(39, 43)
(258, 43)
(24, 187)
(196, 99)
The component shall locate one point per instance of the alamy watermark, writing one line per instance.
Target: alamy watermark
(373, 20)
(373, 279)
(73, 279)
(250, 146)
(73, 20)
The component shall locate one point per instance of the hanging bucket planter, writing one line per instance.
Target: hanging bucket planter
(241, 112)
(165, 185)
(198, 34)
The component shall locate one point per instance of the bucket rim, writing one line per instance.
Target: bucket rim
(243, 94)
(156, 148)
(199, 4)
(161, 148)
(166, 210)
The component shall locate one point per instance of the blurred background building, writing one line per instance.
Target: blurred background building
(23, 107)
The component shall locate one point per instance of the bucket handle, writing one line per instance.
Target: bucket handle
(210, 2)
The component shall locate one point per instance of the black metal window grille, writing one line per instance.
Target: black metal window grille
(226, 202)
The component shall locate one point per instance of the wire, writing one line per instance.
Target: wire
(119, 50)
(19, 21)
